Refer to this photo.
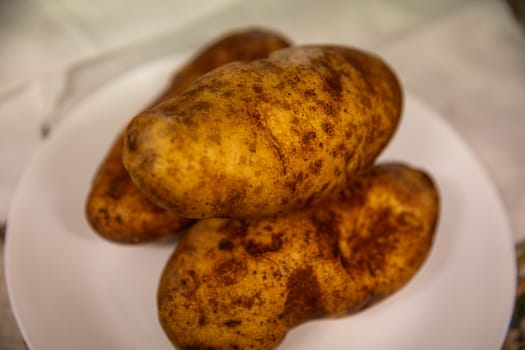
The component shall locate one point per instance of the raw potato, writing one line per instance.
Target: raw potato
(115, 208)
(242, 284)
(262, 137)
(119, 212)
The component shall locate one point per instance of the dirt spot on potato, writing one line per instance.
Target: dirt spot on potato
(309, 93)
(365, 102)
(230, 271)
(232, 200)
(232, 323)
(303, 297)
(327, 225)
(339, 151)
(328, 128)
(202, 319)
(297, 180)
(329, 108)
(256, 248)
(188, 284)
(316, 166)
(216, 85)
(225, 244)
(227, 93)
(247, 302)
(200, 106)
(255, 117)
(234, 228)
(294, 80)
(215, 138)
(372, 243)
(333, 84)
(257, 89)
(117, 186)
(308, 137)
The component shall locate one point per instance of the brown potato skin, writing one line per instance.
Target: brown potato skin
(119, 212)
(243, 283)
(115, 208)
(266, 136)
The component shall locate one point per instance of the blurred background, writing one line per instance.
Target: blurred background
(463, 58)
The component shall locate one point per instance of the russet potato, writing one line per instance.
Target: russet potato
(115, 208)
(243, 283)
(266, 136)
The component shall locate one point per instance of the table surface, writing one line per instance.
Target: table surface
(463, 58)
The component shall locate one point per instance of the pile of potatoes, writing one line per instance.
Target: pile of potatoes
(265, 152)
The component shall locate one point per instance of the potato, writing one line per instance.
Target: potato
(267, 136)
(119, 212)
(243, 283)
(115, 208)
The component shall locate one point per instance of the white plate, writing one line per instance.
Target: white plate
(72, 290)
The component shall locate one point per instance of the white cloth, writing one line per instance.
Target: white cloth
(464, 58)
